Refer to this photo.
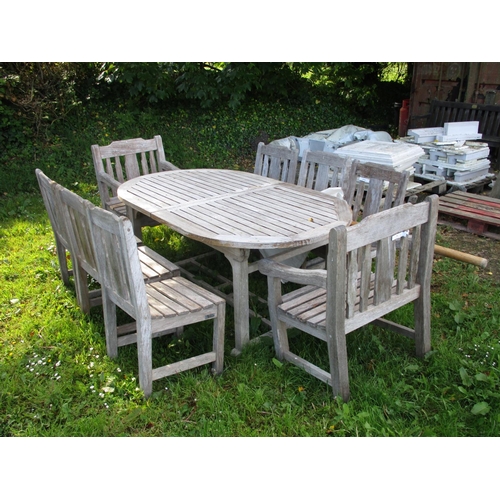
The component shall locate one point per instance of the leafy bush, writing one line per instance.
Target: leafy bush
(192, 137)
(45, 92)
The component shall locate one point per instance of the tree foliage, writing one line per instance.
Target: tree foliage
(204, 82)
(38, 94)
(35, 95)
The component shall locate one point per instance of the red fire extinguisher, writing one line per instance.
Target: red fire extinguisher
(404, 114)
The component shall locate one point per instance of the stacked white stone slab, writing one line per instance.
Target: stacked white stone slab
(398, 155)
(460, 131)
(451, 132)
(450, 154)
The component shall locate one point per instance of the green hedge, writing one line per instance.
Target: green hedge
(192, 137)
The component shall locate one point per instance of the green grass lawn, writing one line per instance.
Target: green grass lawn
(58, 381)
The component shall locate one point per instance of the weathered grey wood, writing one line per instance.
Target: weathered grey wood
(74, 212)
(424, 274)
(336, 312)
(235, 212)
(158, 307)
(386, 189)
(276, 162)
(287, 273)
(73, 209)
(122, 160)
(56, 222)
(321, 170)
(361, 286)
(309, 367)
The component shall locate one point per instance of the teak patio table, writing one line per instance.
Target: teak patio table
(234, 212)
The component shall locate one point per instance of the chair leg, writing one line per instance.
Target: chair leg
(422, 313)
(82, 290)
(109, 311)
(134, 217)
(145, 356)
(280, 336)
(63, 263)
(137, 228)
(218, 341)
(337, 354)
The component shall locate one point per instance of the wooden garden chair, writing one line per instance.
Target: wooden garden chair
(321, 170)
(124, 160)
(74, 210)
(276, 162)
(57, 222)
(357, 288)
(157, 307)
(376, 188)
(371, 188)
(324, 171)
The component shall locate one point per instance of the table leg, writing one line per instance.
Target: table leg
(238, 259)
(132, 216)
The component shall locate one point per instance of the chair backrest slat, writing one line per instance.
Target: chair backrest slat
(132, 166)
(414, 257)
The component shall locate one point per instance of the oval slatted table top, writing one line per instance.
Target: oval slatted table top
(231, 208)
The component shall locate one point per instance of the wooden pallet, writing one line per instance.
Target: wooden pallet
(481, 213)
(473, 186)
(427, 186)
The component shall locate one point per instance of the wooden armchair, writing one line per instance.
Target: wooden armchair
(277, 162)
(157, 308)
(124, 160)
(358, 288)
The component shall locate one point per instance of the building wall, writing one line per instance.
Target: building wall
(474, 82)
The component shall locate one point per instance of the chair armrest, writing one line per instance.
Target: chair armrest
(315, 277)
(166, 165)
(108, 180)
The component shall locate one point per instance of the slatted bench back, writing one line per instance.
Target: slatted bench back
(488, 116)
(123, 160)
